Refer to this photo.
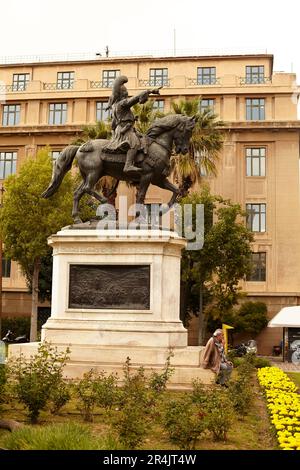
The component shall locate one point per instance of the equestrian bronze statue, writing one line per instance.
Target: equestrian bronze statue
(138, 159)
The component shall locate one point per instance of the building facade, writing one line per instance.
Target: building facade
(48, 103)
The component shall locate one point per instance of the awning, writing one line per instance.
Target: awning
(287, 317)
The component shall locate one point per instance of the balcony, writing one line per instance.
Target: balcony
(58, 86)
(13, 88)
(101, 84)
(204, 82)
(165, 82)
(255, 80)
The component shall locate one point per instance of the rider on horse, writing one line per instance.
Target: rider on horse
(125, 136)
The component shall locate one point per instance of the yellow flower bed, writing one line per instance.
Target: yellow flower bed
(283, 404)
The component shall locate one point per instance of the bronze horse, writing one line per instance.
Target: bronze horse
(155, 164)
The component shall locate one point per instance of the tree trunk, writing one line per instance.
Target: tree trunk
(34, 299)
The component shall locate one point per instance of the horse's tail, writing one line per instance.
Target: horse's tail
(62, 165)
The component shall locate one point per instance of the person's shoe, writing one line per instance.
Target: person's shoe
(224, 385)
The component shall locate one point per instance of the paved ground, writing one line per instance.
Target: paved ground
(285, 366)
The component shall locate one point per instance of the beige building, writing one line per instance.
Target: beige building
(47, 104)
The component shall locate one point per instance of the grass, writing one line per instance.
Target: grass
(253, 432)
(295, 376)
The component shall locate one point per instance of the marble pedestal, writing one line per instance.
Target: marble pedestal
(101, 329)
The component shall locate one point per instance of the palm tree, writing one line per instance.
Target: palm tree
(145, 115)
(206, 143)
(99, 130)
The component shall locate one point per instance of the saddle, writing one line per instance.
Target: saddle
(120, 155)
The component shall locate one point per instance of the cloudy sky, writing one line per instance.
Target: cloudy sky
(37, 27)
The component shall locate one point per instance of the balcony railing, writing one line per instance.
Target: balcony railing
(13, 88)
(58, 86)
(254, 80)
(204, 82)
(165, 82)
(102, 84)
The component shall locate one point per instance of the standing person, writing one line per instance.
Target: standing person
(214, 358)
(125, 137)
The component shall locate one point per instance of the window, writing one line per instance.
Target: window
(65, 80)
(255, 109)
(256, 161)
(255, 74)
(256, 217)
(158, 106)
(6, 267)
(206, 75)
(20, 81)
(258, 267)
(8, 164)
(101, 113)
(158, 77)
(108, 77)
(206, 104)
(11, 115)
(57, 113)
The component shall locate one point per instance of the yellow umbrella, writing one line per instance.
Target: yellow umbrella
(225, 328)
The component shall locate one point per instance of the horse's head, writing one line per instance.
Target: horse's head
(183, 134)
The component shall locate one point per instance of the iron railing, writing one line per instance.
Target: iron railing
(58, 86)
(204, 82)
(165, 82)
(102, 84)
(255, 80)
(13, 88)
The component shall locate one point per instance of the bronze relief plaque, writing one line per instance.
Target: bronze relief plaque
(109, 286)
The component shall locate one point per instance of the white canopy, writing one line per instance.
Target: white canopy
(287, 317)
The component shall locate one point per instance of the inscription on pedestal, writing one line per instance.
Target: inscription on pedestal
(109, 286)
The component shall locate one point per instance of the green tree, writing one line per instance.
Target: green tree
(250, 318)
(27, 220)
(206, 144)
(212, 274)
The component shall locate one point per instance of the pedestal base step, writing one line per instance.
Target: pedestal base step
(185, 361)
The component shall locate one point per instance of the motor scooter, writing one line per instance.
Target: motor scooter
(10, 338)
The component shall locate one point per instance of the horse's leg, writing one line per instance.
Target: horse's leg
(78, 193)
(90, 183)
(143, 186)
(166, 184)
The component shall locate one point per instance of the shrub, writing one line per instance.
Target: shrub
(158, 382)
(183, 422)
(219, 414)
(240, 395)
(107, 391)
(133, 422)
(131, 425)
(96, 389)
(35, 379)
(3, 378)
(86, 393)
(261, 362)
(59, 397)
(199, 393)
(69, 436)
